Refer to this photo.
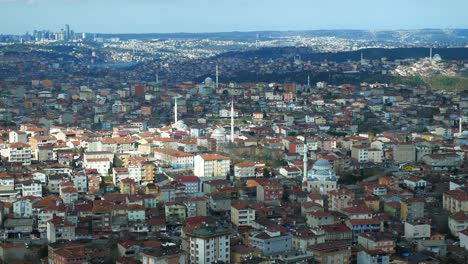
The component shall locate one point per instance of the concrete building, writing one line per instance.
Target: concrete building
(19, 152)
(175, 211)
(60, 229)
(175, 158)
(404, 153)
(455, 201)
(102, 165)
(22, 208)
(244, 170)
(211, 166)
(242, 215)
(417, 230)
(377, 241)
(17, 136)
(339, 199)
(304, 238)
(458, 222)
(411, 209)
(360, 153)
(269, 191)
(375, 155)
(373, 257)
(463, 236)
(331, 252)
(209, 244)
(164, 254)
(271, 242)
(192, 183)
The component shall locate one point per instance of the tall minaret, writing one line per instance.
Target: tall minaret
(308, 80)
(362, 58)
(232, 120)
(460, 126)
(217, 74)
(175, 110)
(304, 179)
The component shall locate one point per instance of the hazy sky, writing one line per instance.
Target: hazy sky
(19, 16)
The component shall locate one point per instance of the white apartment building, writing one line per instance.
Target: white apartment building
(175, 158)
(80, 181)
(360, 153)
(19, 152)
(209, 244)
(375, 155)
(242, 215)
(102, 165)
(211, 165)
(22, 208)
(17, 136)
(244, 170)
(417, 230)
(32, 188)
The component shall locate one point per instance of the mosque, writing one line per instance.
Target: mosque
(320, 179)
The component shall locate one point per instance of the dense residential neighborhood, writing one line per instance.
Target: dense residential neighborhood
(188, 152)
(239, 173)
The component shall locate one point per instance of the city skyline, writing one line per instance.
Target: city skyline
(146, 16)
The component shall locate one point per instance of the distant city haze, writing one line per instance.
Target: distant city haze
(164, 16)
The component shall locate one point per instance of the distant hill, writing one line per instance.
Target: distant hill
(373, 53)
(403, 36)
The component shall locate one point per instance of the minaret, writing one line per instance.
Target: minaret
(232, 120)
(460, 126)
(362, 58)
(308, 80)
(175, 111)
(217, 74)
(304, 179)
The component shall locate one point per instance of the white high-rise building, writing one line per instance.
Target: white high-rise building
(209, 244)
(211, 165)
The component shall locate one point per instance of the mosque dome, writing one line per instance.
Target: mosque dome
(219, 134)
(208, 81)
(322, 171)
(437, 58)
(322, 164)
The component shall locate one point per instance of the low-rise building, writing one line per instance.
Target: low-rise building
(455, 201)
(417, 230)
(60, 229)
(373, 257)
(458, 222)
(244, 170)
(175, 211)
(331, 252)
(377, 241)
(271, 242)
(242, 215)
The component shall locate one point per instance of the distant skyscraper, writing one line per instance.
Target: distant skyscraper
(67, 32)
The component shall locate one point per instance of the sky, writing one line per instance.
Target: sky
(164, 16)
